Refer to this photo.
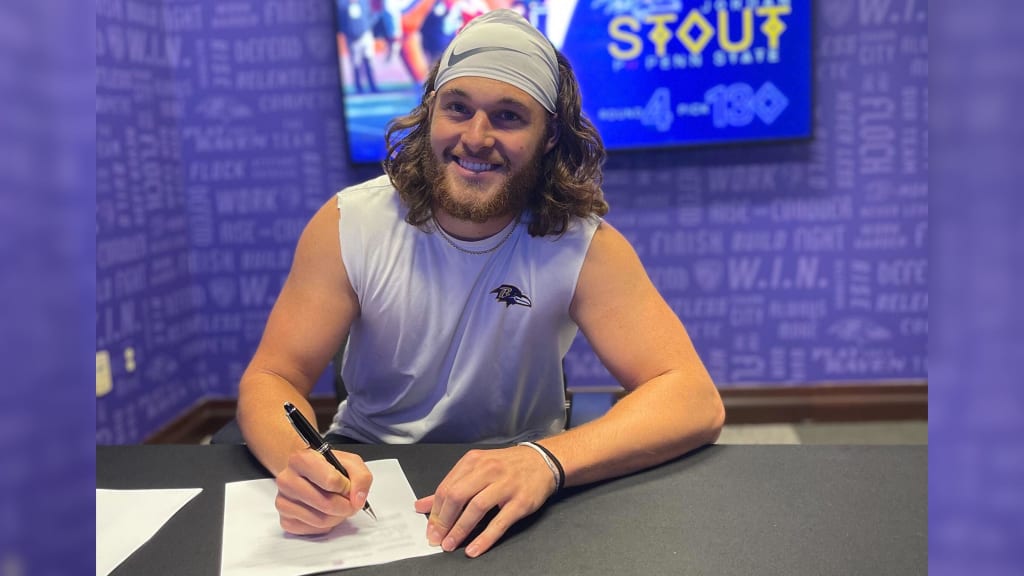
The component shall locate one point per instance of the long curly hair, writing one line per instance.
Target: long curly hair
(570, 180)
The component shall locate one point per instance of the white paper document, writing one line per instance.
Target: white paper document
(127, 519)
(254, 542)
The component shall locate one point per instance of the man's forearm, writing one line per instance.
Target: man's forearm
(261, 417)
(660, 420)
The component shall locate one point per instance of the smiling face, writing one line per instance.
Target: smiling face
(487, 139)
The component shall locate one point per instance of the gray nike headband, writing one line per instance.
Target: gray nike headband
(502, 45)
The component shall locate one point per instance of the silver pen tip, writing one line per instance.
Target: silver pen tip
(369, 511)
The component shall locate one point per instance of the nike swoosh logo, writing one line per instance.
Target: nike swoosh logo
(454, 58)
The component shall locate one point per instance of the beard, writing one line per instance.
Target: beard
(511, 198)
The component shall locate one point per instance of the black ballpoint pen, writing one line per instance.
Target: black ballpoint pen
(316, 442)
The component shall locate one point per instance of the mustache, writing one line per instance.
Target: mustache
(514, 196)
(474, 158)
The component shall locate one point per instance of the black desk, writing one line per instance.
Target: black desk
(750, 510)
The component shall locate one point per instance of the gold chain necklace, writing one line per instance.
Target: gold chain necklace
(444, 235)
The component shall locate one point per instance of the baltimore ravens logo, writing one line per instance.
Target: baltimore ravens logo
(510, 295)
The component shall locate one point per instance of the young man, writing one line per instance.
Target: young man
(460, 280)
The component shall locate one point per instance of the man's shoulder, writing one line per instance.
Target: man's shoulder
(374, 194)
(379, 186)
(577, 228)
(371, 204)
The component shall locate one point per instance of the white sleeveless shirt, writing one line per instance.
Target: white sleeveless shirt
(451, 346)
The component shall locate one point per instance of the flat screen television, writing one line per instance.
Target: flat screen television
(653, 73)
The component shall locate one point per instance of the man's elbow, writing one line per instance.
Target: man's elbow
(715, 411)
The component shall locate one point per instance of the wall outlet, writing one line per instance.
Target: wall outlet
(104, 380)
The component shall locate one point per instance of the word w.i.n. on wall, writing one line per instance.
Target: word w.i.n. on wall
(805, 262)
(219, 134)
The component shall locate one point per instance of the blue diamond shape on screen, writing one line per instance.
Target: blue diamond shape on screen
(769, 102)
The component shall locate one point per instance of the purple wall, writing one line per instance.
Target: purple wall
(218, 135)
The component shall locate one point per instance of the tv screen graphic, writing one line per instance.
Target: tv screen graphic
(653, 73)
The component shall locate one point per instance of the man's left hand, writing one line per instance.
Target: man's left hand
(515, 479)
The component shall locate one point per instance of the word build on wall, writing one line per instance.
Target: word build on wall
(806, 262)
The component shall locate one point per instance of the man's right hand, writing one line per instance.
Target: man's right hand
(313, 497)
